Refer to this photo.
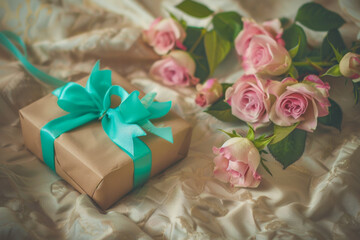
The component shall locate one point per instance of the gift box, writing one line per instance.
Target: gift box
(89, 160)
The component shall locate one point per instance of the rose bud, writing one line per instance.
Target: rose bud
(236, 162)
(208, 93)
(350, 65)
(164, 35)
(175, 69)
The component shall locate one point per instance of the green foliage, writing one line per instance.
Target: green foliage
(285, 22)
(225, 86)
(293, 72)
(231, 134)
(195, 38)
(356, 91)
(262, 160)
(333, 37)
(261, 142)
(294, 51)
(318, 18)
(216, 48)
(293, 36)
(282, 132)
(251, 134)
(222, 111)
(355, 47)
(338, 55)
(194, 9)
(227, 25)
(334, 118)
(290, 149)
(333, 71)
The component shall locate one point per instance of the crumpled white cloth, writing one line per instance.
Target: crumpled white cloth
(316, 198)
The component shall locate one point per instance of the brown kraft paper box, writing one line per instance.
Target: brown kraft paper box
(88, 160)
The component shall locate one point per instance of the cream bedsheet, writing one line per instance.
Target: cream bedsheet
(316, 198)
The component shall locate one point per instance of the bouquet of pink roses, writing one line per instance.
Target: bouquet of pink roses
(283, 87)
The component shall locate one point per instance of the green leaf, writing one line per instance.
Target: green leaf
(318, 18)
(251, 134)
(282, 132)
(355, 47)
(338, 55)
(231, 134)
(262, 142)
(285, 22)
(199, 55)
(356, 91)
(173, 16)
(333, 71)
(293, 72)
(290, 149)
(334, 118)
(216, 48)
(263, 151)
(293, 51)
(202, 70)
(264, 166)
(222, 111)
(194, 9)
(183, 23)
(293, 36)
(333, 37)
(227, 25)
(225, 86)
(192, 36)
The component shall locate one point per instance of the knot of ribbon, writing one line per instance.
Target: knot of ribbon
(123, 124)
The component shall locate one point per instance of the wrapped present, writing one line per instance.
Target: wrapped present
(101, 150)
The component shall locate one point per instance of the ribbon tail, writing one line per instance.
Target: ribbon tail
(5, 41)
(142, 159)
(163, 132)
(55, 128)
(12, 36)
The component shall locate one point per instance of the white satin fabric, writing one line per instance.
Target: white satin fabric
(316, 198)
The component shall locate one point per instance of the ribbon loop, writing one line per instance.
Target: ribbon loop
(132, 110)
(114, 90)
(74, 98)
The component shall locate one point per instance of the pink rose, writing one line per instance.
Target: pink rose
(265, 56)
(236, 162)
(208, 93)
(249, 100)
(177, 68)
(299, 102)
(350, 65)
(164, 34)
(251, 28)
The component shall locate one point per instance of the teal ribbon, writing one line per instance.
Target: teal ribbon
(6, 38)
(123, 124)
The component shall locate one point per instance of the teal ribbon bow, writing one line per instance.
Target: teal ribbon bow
(123, 124)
